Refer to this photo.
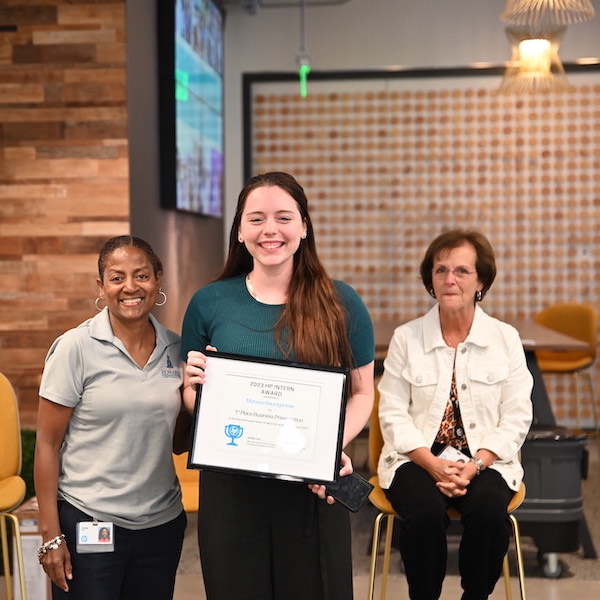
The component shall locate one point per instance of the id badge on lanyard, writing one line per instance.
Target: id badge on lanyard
(95, 536)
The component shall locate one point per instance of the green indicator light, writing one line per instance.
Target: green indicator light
(303, 72)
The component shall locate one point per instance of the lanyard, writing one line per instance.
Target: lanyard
(459, 432)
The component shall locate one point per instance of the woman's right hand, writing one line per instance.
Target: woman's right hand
(434, 465)
(448, 475)
(53, 421)
(195, 367)
(57, 565)
(193, 376)
(455, 483)
(437, 468)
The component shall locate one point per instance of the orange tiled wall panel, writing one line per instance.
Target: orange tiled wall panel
(388, 164)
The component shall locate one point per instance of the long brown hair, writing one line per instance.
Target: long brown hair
(314, 319)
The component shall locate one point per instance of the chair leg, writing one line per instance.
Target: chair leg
(506, 573)
(19, 555)
(5, 561)
(577, 399)
(387, 552)
(590, 376)
(374, 550)
(386, 555)
(519, 553)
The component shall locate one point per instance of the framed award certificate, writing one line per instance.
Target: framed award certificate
(270, 418)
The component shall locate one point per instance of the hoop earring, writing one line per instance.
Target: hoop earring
(432, 293)
(478, 296)
(164, 299)
(99, 308)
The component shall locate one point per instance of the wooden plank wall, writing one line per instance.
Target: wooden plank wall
(63, 171)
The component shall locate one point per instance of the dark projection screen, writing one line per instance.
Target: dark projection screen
(191, 105)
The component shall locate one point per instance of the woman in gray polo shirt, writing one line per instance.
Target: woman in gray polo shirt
(109, 401)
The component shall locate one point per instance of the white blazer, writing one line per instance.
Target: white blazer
(493, 383)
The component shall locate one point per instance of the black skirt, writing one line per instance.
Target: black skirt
(264, 539)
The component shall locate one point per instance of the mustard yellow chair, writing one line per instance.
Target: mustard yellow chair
(189, 479)
(387, 514)
(578, 320)
(12, 486)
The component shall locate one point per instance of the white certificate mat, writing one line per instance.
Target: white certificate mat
(270, 418)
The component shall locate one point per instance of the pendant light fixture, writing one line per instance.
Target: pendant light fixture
(535, 65)
(544, 13)
(535, 31)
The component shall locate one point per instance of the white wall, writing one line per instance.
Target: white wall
(364, 34)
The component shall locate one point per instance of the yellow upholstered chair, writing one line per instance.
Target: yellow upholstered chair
(189, 479)
(578, 320)
(12, 486)
(387, 514)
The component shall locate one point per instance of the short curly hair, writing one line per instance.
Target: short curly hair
(454, 238)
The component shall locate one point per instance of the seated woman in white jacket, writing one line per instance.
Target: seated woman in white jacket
(455, 408)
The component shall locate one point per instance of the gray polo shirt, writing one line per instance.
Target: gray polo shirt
(116, 459)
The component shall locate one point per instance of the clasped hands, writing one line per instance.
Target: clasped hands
(452, 477)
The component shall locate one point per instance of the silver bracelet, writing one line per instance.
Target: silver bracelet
(479, 464)
(52, 544)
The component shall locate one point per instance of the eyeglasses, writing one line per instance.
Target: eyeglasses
(458, 272)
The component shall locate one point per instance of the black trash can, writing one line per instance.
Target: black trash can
(555, 461)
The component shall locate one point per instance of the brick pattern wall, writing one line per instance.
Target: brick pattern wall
(63, 171)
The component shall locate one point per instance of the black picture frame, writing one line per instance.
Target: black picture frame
(270, 418)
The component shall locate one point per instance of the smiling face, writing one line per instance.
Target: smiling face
(271, 227)
(455, 280)
(129, 285)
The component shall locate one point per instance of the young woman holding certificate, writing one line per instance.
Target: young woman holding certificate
(265, 538)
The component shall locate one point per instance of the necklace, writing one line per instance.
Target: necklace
(250, 288)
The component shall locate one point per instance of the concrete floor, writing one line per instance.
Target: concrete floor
(188, 588)
(580, 580)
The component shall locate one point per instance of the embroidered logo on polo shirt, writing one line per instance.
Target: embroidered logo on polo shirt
(170, 372)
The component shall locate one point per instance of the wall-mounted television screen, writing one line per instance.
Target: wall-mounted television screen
(190, 44)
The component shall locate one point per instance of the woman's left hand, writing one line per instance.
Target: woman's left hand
(321, 490)
(456, 481)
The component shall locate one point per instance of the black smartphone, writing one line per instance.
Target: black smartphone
(351, 491)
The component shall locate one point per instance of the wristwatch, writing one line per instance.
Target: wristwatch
(478, 463)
